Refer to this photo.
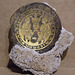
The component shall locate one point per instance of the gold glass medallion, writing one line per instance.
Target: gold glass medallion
(35, 26)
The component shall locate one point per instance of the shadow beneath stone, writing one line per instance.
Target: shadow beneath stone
(62, 57)
(54, 71)
(64, 54)
(16, 69)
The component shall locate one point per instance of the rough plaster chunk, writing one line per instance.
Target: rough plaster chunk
(45, 63)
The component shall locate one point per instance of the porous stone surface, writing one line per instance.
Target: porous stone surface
(45, 63)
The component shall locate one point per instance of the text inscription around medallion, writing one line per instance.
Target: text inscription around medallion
(34, 30)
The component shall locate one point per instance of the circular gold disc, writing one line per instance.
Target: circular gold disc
(36, 26)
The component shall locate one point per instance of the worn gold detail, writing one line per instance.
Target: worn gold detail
(36, 26)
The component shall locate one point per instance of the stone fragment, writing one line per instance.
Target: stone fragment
(45, 63)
